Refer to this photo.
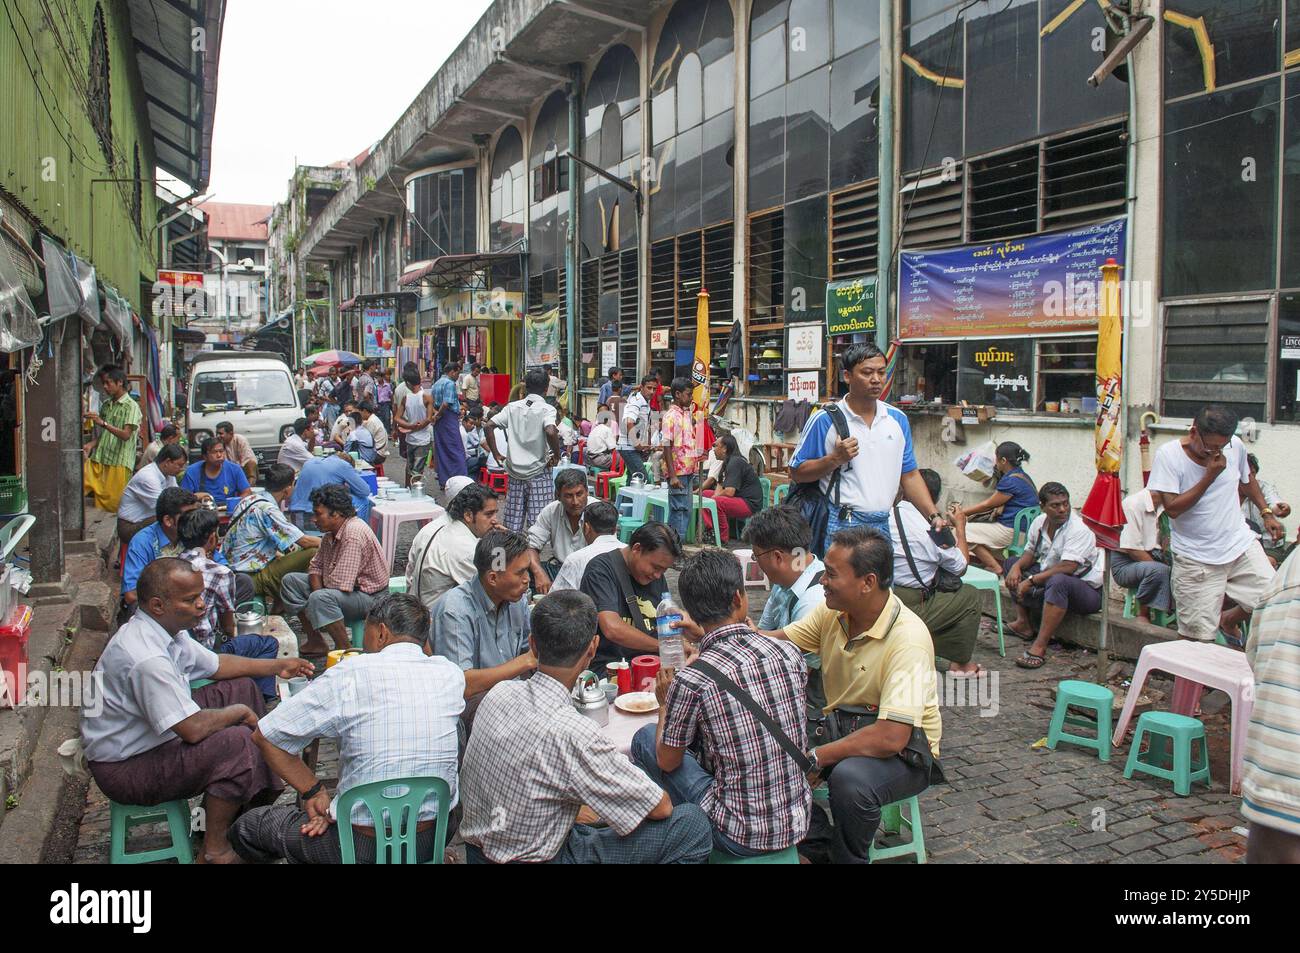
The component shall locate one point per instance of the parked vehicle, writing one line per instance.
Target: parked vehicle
(253, 390)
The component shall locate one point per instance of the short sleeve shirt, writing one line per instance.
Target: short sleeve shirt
(444, 392)
(525, 422)
(1073, 542)
(740, 476)
(231, 481)
(113, 451)
(601, 583)
(869, 482)
(1017, 485)
(259, 532)
(1212, 531)
(682, 435)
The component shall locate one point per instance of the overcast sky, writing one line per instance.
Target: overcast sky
(315, 81)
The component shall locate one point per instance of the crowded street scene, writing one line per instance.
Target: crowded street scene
(792, 432)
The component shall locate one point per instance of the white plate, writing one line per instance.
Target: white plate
(635, 703)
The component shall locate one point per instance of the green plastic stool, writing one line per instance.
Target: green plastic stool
(393, 817)
(1082, 695)
(396, 583)
(1167, 619)
(1176, 732)
(358, 630)
(979, 578)
(787, 856)
(122, 817)
(891, 822)
(627, 525)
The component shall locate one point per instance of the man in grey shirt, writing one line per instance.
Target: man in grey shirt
(482, 624)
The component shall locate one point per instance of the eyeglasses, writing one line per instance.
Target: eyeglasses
(765, 552)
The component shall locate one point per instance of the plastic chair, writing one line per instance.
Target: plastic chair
(746, 557)
(122, 817)
(787, 856)
(358, 630)
(1020, 531)
(1170, 759)
(891, 822)
(12, 533)
(979, 578)
(1082, 695)
(396, 583)
(706, 504)
(603, 479)
(780, 493)
(394, 817)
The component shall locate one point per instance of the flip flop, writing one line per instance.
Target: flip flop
(1031, 661)
(979, 670)
(1020, 635)
(1237, 642)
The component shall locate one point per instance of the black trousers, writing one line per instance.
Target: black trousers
(859, 788)
(266, 834)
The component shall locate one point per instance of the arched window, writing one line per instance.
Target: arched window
(612, 131)
(550, 178)
(97, 91)
(506, 208)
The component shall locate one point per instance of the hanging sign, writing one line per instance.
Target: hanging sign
(851, 306)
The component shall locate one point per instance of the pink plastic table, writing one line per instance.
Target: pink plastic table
(623, 726)
(386, 516)
(1195, 665)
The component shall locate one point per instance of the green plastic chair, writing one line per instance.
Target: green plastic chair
(394, 817)
(787, 856)
(764, 501)
(627, 525)
(122, 817)
(780, 493)
(706, 504)
(358, 632)
(1169, 750)
(891, 822)
(12, 533)
(396, 583)
(1082, 695)
(1020, 531)
(979, 578)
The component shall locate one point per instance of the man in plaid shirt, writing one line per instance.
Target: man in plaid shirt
(345, 577)
(754, 793)
(197, 534)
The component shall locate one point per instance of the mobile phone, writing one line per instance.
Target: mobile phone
(943, 538)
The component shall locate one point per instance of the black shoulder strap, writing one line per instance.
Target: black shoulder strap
(747, 701)
(247, 509)
(629, 596)
(927, 590)
(841, 426)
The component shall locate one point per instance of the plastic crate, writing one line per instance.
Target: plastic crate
(13, 495)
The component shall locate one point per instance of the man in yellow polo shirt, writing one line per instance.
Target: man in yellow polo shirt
(877, 664)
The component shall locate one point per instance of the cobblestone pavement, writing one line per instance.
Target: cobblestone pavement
(1006, 801)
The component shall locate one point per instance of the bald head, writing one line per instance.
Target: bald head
(171, 592)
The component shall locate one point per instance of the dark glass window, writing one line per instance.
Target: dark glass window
(999, 372)
(550, 209)
(613, 125)
(1291, 185)
(767, 61)
(1244, 40)
(1068, 59)
(689, 170)
(810, 35)
(1001, 76)
(1216, 353)
(507, 197)
(442, 218)
(767, 150)
(690, 93)
(1220, 198)
(805, 261)
(856, 23)
(716, 180)
(932, 100)
(807, 103)
(854, 128)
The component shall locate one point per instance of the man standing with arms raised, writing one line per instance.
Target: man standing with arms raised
(533, 447)
(874, 460)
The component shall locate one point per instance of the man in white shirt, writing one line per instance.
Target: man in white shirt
(599, 525)
(468, 383)
(295, 451)
(442, 553)
(375, 427)
(136, 511)
(150, 739)
(1060, 571)
(951, 614)
(1201, 480)
(635, 430)
(1275, 551)
(169, 434)
(394, 711)
(534, 448)
(601, 441)
(1139, 562)
(558, 527)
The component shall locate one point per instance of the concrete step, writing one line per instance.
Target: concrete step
(1125, 638)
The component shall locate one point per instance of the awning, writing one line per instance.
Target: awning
(18, 325)
(400, 301)
(459, 272)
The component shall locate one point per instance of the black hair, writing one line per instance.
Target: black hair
(497, 549)
(654, 536)
(615, 372)
(779, 527)
(169, 451)
(300, 426)
(1012, 452)
(870, 553)
(601, 516)
(708, 585)
(1252, 461)
(278, 476)
(368, 406)
(111, 372)
(210, 442)
(536, 380)
(728, 441)
(563, 625)
(405, 615)
(173, 501)
(195, 527)
(335, 498)
(1049, 490)
(933, 483)
(476, 366)
(470, 500)
(1217, 419)
(157, 576)
(649, 379)
(474, 410)
(680, 384)
(225, 425)
(169, 431)
(855, 354)
(411, 377)
(569, 478)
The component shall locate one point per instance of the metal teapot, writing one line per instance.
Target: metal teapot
(250, 619)
(589, 698)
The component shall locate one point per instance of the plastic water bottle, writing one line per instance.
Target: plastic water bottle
(672, 651)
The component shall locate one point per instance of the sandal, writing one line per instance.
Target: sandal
(979, 670)
(1020, 635)
(1029, 660)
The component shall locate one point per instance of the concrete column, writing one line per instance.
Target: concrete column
(48, 442)
(643, 238)
(72, 489)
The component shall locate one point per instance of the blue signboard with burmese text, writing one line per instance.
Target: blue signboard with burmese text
(1044, 284)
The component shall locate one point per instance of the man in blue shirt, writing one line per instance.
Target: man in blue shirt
(156, 540)
(448, 448)
(614, 383)
(216, 476)
(318, 471)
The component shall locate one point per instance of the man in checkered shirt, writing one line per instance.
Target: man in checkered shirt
(537, 773)
(753, 791)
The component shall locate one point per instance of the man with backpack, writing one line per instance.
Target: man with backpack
(855, 455)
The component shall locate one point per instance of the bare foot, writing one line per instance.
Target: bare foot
(227, 856)
(969, 670)
(1016, 630)
(314, 646)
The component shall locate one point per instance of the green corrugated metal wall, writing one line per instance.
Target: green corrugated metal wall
(31, 133)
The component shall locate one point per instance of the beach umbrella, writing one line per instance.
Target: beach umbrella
(333, 358)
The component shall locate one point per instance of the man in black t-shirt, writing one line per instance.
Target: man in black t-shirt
(653, 550)
(741, 494)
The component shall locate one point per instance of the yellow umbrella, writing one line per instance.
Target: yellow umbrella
(700, 367)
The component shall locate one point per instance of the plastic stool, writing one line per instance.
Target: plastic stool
(891, 822)
(498, 481)
(122, 817)
(746, 557)
(979, 578)
(1082, 695)
(396, 583)
(1179, 731)
(358, 630)
(787, 856)
(1158, 616)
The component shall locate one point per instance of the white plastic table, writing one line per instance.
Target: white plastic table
(622, 726)
(387, 515)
